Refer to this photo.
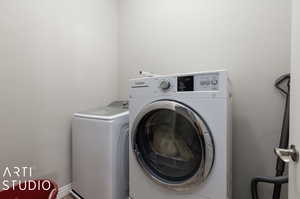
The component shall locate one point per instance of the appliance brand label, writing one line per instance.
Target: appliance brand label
(139, 84)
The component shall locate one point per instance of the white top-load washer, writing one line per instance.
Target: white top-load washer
(100, 152)
(180, 136)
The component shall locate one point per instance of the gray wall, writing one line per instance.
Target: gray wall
(56, 57)
(249, 38)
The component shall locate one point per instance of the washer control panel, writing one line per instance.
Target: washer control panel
(198, 82)
(205, 84)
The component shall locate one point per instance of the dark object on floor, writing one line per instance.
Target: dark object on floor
(23, 190)
(283, 84)
(277, 181)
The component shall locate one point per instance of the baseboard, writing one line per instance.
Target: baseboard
(63, 191)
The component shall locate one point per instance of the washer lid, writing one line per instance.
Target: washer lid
(113, 110)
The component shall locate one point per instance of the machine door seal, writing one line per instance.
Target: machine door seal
(173, 145)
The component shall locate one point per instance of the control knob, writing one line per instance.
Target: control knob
(164, 85)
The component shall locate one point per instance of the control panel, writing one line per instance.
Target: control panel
(166, 85)
(198, 82)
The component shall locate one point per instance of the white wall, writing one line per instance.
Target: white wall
(56, 57)
(249, 38)
(294, 174)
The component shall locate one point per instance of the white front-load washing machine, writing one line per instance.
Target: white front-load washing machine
(180, 136)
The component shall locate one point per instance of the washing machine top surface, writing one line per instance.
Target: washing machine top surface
(112, 111)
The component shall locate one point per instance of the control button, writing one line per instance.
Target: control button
(165, 84)
(214, 82)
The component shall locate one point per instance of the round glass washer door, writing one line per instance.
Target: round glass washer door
(173, 145)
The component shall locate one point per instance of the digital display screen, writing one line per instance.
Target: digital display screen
(185, 83)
